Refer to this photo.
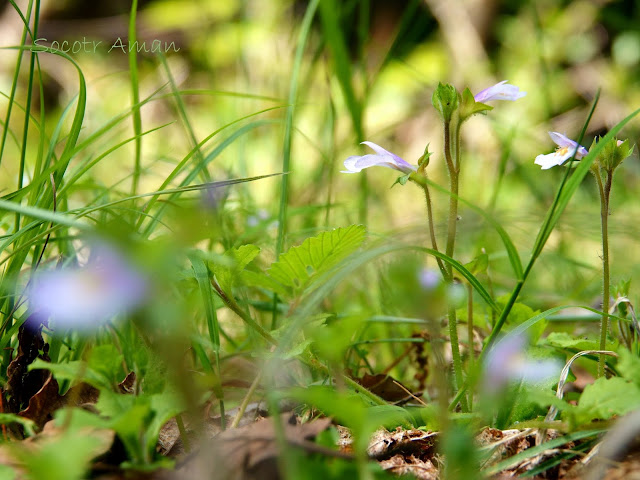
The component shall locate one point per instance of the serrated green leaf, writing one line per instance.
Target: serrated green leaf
(260, 279)
(605, 398)
(300, 341)
(629, 366)
(299, 266)
(228, 274)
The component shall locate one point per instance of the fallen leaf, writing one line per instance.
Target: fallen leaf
(249, 452)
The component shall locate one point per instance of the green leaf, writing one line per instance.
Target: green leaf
(478, 264)
(335, 40)
(564, 340)
(519, 314)
(262, 280)
(27, 424)
(106, 361)
(629, 366)
(402, 180)
(66, 458)
(228, 274)
(74, 371)
(605, 398)
(470, 107)
(299, 266)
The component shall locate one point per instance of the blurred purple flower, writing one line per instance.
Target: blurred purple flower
(566, 149)
(85, 297)
(506, 362)
(429, 279)
(260, 216)
(500, 91)
(382, 158)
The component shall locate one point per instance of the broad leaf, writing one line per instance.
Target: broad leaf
(605, 398)
(564, 340)
(299, 266)
(228, 274)
(629, 366)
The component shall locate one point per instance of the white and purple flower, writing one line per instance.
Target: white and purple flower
(88, 296)
(499, 91)
(382, 158)
(566, 149)
(507, 362)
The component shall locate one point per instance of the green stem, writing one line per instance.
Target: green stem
(605, 193)
(432, 232)
(232, 305)
(247, 398)
(453, 165)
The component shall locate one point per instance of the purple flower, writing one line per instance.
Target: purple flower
(382, 158)
(566, 149)
(506, 362)
(500, 91)
(85, 297)
(429, 279)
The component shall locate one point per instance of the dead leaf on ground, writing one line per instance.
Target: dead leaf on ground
(411, 465)
(249, 452)
(384, 444)
(11, 454)
(23, 384)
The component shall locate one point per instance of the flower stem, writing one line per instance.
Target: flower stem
(432, 231)
(453, 164)
(605, 193)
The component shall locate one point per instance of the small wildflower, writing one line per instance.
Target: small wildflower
(429, 279)
(260, 216)
(500, 91)
(87, 296)
(507, 362)
(566, 149)
(382, 158)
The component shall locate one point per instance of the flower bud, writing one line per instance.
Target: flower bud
(445, 99)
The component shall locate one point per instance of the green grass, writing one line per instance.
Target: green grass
(271, 276)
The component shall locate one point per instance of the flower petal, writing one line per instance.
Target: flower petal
(87, 296)
(350, 164)
(382, 158)
(553, 159)
(507, 362)
(499, 91)
(562, 141)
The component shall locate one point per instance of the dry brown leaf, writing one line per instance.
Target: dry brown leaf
(43, 403)
(23, 384)
(384, 444)
(128, 384)
(411, 465)
(249, 452)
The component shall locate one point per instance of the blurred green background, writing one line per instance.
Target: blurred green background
(559, 52)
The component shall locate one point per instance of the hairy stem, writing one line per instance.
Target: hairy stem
(453, 165)
(432, 231)
(605, 193)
